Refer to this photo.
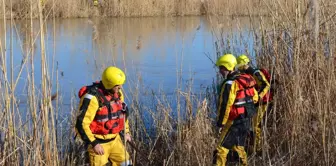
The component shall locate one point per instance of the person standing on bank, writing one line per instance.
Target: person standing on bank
(263, 87)
(103, 116)
(235, 110)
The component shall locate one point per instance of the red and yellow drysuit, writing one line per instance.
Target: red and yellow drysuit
(102, 117)
(235, 108)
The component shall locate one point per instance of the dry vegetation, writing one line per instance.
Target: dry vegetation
(298, 48)
(85, 8)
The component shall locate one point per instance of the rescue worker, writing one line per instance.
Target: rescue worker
(95, 2)
(263, 87)
(235, 110)
(103, 115)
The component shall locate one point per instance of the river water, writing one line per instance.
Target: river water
(158, 54)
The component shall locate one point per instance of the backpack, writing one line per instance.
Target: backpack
(266, 74)
(248, 108)
(269, 96)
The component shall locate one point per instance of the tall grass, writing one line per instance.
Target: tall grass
(138, 8)
(85, 8)
(29, 131)
(300, 51)
(299, 130)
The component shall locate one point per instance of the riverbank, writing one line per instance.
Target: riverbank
(297, 48)
(24, 9)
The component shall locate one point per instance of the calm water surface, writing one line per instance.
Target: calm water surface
(154, 52)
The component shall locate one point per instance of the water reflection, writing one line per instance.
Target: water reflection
(157, 51)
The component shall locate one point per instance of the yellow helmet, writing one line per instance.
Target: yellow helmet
(243, 60)
(228, 61)
(113, 76)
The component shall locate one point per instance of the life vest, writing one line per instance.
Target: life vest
(111, 113)
(269, 95)
(243, 105)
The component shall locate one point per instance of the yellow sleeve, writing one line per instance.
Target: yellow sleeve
(255, 96)
(88, 108)
(127, 128)
(226, 100)
(263, 83)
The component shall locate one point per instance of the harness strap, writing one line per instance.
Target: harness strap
(116, 124)
(256, 71)
(101, 99)
(115, 115)
(241, 103)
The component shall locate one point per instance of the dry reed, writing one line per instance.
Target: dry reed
(135, 8)
(299, 130)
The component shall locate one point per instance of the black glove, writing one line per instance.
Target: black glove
(219, 124)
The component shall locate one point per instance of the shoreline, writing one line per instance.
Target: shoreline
(149, 16)
(146, 8)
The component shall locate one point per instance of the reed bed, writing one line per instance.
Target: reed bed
(129, 8)
(297, 47)
(299, 51)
